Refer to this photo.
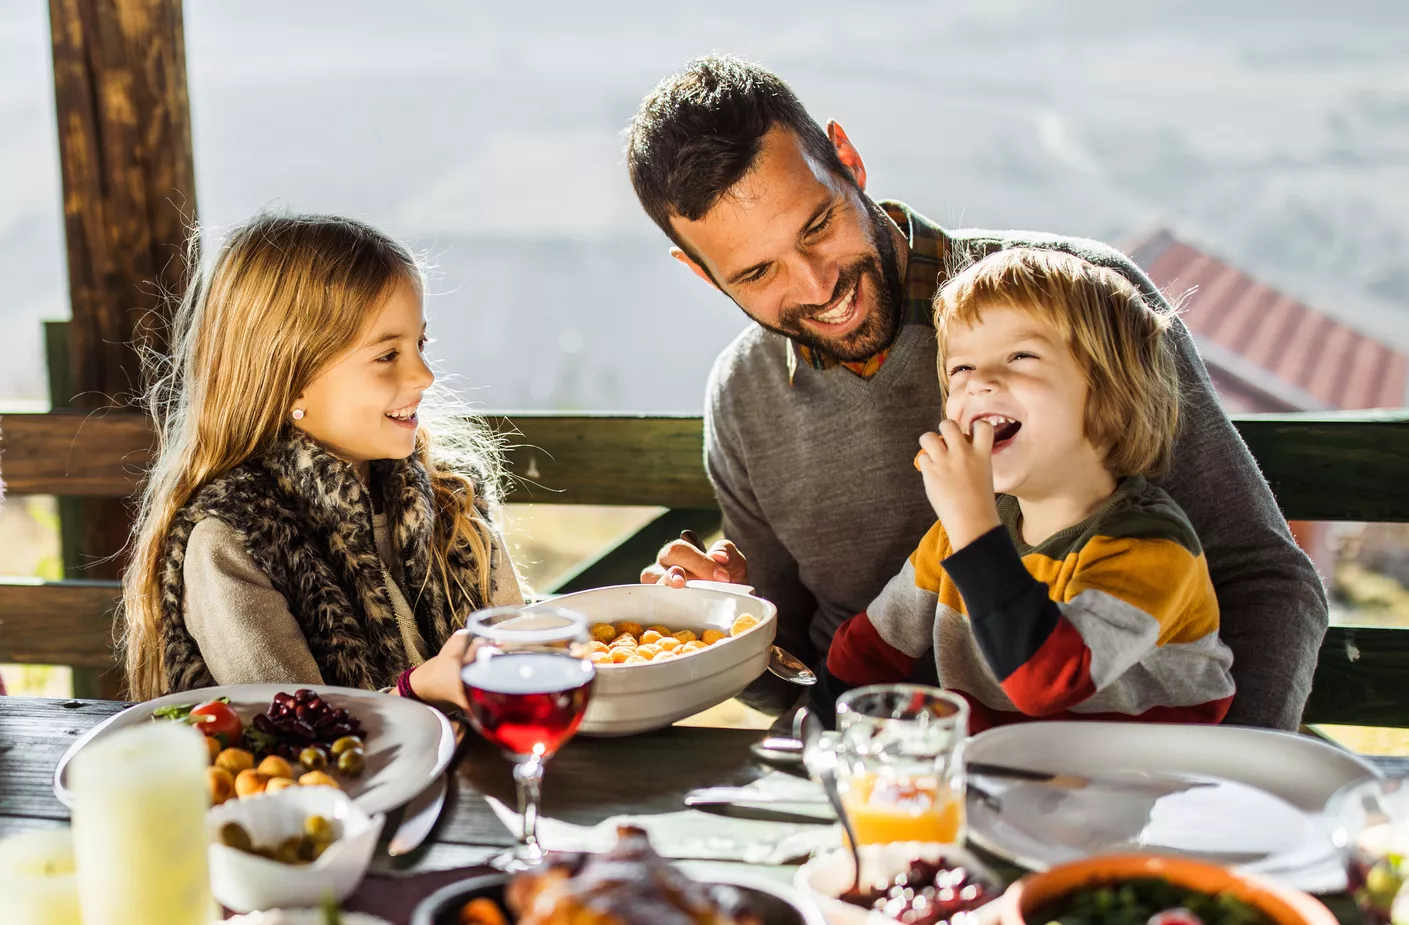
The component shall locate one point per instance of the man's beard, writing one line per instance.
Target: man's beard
(881, 271)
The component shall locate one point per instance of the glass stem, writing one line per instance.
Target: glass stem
(528, 776)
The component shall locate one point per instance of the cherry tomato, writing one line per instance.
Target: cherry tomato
(218, 721)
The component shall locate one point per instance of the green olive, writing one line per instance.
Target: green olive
(346, 742)
(313, 758)
(352, 762)
(234, 835)
(318, 828)
(1382, 884)
(288, 850)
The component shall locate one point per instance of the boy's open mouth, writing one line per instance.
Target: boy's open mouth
(1005, 429)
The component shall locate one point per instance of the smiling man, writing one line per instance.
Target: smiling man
(812, 415)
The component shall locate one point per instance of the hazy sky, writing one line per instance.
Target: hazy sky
(1274, 133)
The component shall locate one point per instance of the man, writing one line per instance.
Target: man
(812, 415)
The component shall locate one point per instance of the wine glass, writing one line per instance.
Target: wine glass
(527, 680)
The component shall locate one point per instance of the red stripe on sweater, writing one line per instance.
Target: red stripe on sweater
(859, 655)
(1057, 677)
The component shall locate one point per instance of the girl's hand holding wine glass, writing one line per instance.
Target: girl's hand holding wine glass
(526, 681)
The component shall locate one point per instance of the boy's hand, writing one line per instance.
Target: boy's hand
(958, 475)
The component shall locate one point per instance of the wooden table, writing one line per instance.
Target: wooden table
(590, 781)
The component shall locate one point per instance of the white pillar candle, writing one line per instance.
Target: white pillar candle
(37, 885)
(139, 830)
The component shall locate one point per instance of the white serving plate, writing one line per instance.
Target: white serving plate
(629, 699)
(408, 744)
(1256, 798)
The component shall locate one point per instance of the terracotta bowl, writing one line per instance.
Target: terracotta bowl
(1284, 906)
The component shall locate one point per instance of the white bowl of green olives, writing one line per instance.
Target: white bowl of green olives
(295, 847)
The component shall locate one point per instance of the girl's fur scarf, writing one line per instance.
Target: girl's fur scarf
(306, 520)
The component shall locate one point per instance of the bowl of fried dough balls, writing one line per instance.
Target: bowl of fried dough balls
(663, 653)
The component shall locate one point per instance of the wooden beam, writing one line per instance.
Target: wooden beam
(96, 455)
(1360, 678)
(1337, 466)
(1322, 467)
(606, 459)
(57, 622)
(580, 459)
(129, 195)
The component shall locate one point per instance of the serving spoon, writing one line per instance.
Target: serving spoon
(821, 763)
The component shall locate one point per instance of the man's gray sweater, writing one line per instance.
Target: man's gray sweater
(813, 471)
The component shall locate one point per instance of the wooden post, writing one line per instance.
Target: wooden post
(129, 189)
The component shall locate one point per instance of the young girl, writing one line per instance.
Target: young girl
(1082, 591)
(298, 526)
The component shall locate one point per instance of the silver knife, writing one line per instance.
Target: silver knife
(418, 819)
(715, 796)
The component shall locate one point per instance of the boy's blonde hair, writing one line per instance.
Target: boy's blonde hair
(284, 296)
(1117, 337)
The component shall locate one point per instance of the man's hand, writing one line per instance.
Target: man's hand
(680, 561)
(958, 475)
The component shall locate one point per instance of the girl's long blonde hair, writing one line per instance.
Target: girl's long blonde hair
(284, 296)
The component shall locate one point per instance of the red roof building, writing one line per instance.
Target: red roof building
(1265, 351)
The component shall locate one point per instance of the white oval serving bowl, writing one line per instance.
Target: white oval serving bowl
(628, 699)
(822, 879)
(245, 882)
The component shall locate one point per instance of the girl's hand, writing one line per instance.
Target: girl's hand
(958, 474)
(437, 680)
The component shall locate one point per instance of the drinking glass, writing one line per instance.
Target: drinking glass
(527, 679)
(1370, 825)
(900, 762)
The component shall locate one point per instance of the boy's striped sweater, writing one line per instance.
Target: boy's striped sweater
(1113, 618)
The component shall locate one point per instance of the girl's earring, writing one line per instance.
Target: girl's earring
(298, 414)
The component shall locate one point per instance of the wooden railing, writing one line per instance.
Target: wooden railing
(1348, 467)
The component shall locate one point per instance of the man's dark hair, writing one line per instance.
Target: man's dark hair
(698, 133)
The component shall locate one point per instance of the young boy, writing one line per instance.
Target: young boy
(1081, 592)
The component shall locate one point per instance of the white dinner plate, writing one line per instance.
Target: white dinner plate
(1250, 798)
(408, 744)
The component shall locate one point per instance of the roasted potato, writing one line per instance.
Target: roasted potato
(274, 766)
(234, 760)
(249, 782)
(317, 779)
(743, 623)
(220, 784)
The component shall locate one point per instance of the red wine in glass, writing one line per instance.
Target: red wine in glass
(528, 703)
(527, 681)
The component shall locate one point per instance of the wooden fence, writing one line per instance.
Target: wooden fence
(1349, 467)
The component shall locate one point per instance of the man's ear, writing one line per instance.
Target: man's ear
(684, 258)
(850, 157)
